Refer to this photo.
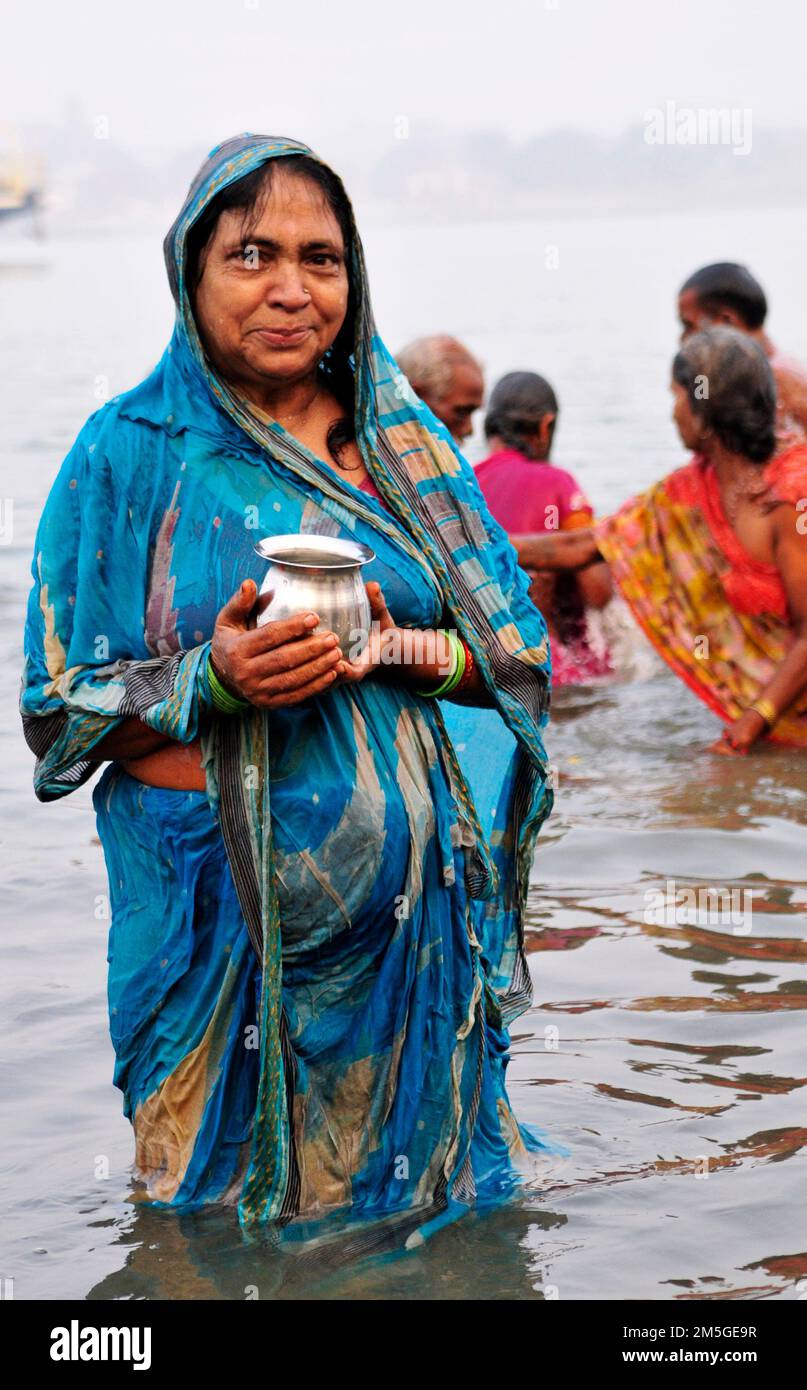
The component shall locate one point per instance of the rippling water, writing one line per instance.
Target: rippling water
(667, 1057)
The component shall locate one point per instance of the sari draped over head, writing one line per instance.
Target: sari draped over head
(717, 616)
(304, 1019)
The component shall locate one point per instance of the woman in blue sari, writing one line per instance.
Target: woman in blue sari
(315, 949)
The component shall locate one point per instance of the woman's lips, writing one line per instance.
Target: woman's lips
(282, 337)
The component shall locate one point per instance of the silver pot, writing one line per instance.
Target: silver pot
(321, 574)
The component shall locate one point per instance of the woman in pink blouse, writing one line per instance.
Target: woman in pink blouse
(526, 493)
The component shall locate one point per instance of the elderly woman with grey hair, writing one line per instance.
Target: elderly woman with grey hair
(713, 559)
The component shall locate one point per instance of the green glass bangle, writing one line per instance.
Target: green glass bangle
(222, 699)
(460, 671)
(457, 669)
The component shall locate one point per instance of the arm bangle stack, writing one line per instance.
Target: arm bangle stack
(470, 666)
(222, 699)
(457, 667)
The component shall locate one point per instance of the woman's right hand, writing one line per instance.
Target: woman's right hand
(280, 663)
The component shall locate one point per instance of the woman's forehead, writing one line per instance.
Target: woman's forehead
(290, 208)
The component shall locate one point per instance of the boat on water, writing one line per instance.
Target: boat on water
(22, 223)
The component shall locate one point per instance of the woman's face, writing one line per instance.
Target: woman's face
(690, 427)
(268, 308)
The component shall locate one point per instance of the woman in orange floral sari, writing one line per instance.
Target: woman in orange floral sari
(713, 558)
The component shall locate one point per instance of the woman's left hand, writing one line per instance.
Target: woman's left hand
(381, 621)
(738, 737)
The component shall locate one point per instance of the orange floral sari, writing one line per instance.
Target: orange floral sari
(716, 615)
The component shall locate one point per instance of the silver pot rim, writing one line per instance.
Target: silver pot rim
(336, 552)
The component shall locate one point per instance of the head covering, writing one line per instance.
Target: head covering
(430, 486)
(439, 516)
(408, 452)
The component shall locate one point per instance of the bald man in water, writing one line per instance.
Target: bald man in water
(447, 377)
(728, 294)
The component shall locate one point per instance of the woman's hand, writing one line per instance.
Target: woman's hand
(371, 656)
(280, 663)
(412, 656)
(738, 737)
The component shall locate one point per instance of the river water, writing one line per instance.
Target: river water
(666, 1056)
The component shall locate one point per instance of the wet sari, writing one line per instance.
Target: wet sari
(717, 616)
(533, 496)
(305, 1022)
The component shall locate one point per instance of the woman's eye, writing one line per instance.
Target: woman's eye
(324, 258)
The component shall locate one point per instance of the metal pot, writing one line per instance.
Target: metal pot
(321, 574)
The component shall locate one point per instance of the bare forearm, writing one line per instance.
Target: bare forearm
(131, 739)
(422, 661)
(557, 550)
(790, 678)
(595, 585)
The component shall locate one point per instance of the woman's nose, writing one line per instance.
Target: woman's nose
(286, 287)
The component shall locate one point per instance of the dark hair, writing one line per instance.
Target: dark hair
(245, 196)
(518, 403)
(731, 387)
(726, 285)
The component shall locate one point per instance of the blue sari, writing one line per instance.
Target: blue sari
(313, 962)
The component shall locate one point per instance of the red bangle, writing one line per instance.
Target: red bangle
(469, 667)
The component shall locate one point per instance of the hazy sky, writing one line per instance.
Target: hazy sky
(168, 73)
